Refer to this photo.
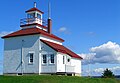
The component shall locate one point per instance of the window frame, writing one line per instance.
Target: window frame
(52, 58)
(38, 16)
(31, 62)
(44, 58)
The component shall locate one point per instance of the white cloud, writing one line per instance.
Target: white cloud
(106, 53)
(113, 69)
(87, 58)
(117, 68)
(99, 70)
(64, 30)
(3, 33)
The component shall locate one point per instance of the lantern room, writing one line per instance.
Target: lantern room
(34, 16)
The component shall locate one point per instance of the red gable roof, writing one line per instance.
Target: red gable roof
(61, 48)
(32, 31)
(34, 9)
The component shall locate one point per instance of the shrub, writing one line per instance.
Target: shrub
(108, 74)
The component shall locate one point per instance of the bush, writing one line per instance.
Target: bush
(108, 74)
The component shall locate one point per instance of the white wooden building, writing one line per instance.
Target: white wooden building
(35, 50)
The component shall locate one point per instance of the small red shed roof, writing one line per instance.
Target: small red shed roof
(32, 31)
(62, 49)
(34, 9)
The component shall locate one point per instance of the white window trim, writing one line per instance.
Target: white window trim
(50, 58)
(46, 59)
(31, 52)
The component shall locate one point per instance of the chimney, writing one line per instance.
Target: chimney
(49, 26)
(49, 20)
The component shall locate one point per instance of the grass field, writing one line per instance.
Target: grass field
(54, 79)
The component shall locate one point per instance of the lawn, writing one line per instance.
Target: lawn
(54, 79)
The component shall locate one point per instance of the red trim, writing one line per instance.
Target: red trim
(33, 24)
(61, 48)
(32, 31)
(34, 9)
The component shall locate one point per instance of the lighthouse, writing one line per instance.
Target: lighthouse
(35, 50)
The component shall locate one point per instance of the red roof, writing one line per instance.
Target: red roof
(61, 48)
(34, 9)
(32, 31)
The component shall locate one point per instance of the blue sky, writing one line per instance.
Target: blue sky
(83, 24)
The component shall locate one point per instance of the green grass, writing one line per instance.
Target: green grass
(54, 79)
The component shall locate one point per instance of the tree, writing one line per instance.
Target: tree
(107, 73)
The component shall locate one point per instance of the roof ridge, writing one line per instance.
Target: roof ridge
(34, 9)
(32, 31)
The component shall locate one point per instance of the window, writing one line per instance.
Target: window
(44, 59)
(31, 15)
(52, 58)
(38, 15)
(68, 60)
(63, 59)
(31, 58)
